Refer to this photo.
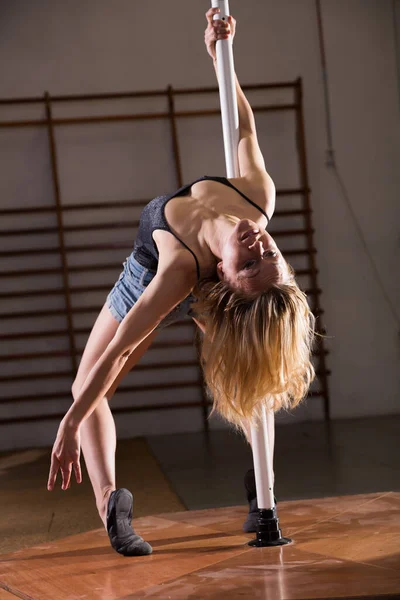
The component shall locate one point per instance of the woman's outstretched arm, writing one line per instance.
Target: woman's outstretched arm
(223, 30)
(251, 160)
(169, 287)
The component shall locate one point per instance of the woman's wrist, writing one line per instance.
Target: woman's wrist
(71, 421)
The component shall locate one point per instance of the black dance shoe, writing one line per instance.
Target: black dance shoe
(119, 518)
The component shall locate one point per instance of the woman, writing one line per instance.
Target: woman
(203, 250)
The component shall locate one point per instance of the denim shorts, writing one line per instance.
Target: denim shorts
(130, 286)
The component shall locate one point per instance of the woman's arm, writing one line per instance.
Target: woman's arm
(251, 160)
(247, 124)
(164, 292)
(223, 30)
(169, 287)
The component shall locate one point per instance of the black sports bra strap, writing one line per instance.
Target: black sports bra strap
(226, 181)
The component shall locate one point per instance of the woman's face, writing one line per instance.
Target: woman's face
(251, 261)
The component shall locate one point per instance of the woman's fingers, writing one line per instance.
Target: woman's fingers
(77, 471)
(232, 24)
(210, 13)
(66, 476)
(222, 31)
(64, 456)
(53, 473)
(66, 471)
(219, 29)
(216, 33)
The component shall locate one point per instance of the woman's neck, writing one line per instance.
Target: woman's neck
(217, 231)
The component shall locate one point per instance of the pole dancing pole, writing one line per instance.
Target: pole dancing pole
(227, 94)
(268, 532)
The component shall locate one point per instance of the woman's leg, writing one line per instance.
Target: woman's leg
(98, 437)
(98, 430)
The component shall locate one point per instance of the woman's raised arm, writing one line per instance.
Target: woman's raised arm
(223, 30)
(251, 160)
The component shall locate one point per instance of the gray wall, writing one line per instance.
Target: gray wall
(97, 46)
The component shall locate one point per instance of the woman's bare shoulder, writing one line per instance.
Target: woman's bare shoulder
(172, 256)
(259, 182)
(260, 188)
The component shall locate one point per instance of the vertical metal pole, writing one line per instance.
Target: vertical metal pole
(230, 126)
(227, 95)
(60, 227)
(262, 463)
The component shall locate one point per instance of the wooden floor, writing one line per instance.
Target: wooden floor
(346, 547)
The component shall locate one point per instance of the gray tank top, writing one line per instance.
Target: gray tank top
(153, 217)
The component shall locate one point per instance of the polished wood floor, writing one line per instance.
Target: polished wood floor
(346, 547)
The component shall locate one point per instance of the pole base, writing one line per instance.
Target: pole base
(264, 543)
(268, 531)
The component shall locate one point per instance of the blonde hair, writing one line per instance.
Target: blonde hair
(255, 350)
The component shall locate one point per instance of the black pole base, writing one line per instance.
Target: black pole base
(268, 532)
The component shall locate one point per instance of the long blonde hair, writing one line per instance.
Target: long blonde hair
(255, 350)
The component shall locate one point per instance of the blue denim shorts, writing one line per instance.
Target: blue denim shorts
(131, 284)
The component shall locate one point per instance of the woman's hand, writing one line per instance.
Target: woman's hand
(65, 455)
(217, 30)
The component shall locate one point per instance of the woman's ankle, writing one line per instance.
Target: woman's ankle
(102, 504)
